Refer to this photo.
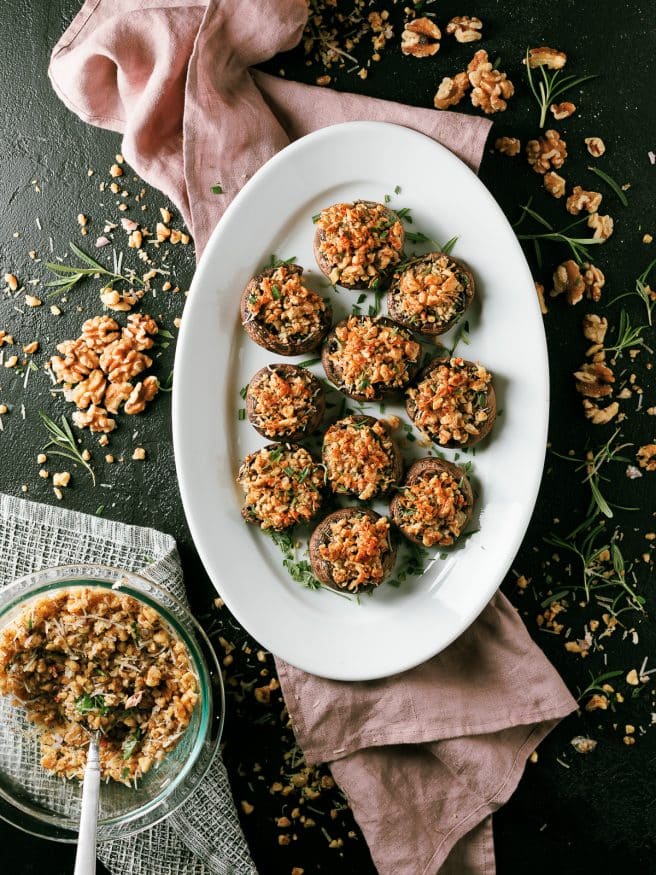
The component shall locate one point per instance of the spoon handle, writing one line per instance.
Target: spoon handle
(85, 859)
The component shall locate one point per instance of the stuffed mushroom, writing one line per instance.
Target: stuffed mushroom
(434, 504)
(285, 402)
(352, 549)
(360, 457)
(282, 485)
(453, 402)
(281, 314)
(358, 245)
(430, 293)
(368, 358)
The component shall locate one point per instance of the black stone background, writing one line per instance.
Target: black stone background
(598, 815)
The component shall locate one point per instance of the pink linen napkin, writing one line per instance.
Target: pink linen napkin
(424, 757)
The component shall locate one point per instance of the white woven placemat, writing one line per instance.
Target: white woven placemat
(203, 837)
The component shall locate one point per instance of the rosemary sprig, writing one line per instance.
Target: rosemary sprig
(577, 245)
(644, 292)
(611, 183)
(274, 261)
(595, 685)
(551, 86)
(447, 248)
(62, 437)
(628, 336)
(594, 557)
(593, 463)
(70, 275)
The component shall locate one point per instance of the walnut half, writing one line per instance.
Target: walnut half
(141, 395)
(580, 199)
(554, 184)
(547, 152)
(543, 56)
(595, 327)
(600, 415)
(594, 380)
(509, 146)
(420, 38)
(646, 457)
(451, 91)
(465, 28)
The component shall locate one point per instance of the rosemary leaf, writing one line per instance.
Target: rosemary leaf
(611, 183)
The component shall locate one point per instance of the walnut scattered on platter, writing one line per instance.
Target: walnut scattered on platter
(420, 38)
(465, 28)
(547, 152)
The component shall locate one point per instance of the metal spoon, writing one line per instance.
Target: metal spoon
(85, 858)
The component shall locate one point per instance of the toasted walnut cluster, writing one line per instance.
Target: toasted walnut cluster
(509, 146)
(359, 242)
(450, 404)
(490, 88)
(100, 368)
(577, 281)
(284, 306)
(594, 379)
(369, 355)
(547, 152)
(359, 457)
(646, 457)
(282, 404)
(420, 38)
(430, 291)
(96, 659)
(282, 485)
(581, 200)
(355, 547)
(433, 509)
(465, 28)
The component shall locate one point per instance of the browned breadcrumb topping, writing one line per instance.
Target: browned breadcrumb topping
(359, 242)
(430, 291)
(451, 403)
(369, 354)
(85, 659)
(283, 404)
(359, 457)
(433, 508)
(285, 307)
(282, 485)
(355, 549)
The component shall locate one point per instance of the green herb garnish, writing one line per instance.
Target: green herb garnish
(70, 275)
(131, 743)
(217, 189)
(241, 413)
(550, 87)
(62, 437)
(87, 704)
(611, 183)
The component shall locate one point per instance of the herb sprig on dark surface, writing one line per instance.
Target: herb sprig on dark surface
(549, 86)
(70, 275)
(61, 436)
(577, 245)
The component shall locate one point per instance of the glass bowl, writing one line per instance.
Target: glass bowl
(44, 804)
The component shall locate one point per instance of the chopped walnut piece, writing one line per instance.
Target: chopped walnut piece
(646, 457)
(594, 380)
(567, 278)
(600, 415)
(603, 226)
(451, 91)
(139, 454)
(95, 419)
(31, 348)
(546, 57)
(420, 38)
(594, 281)
(598, 702)
(89, 391)
(491, 88)
(554, 184)
(141, 395)
(509, 146)
(580, 200)
(99, 332)
(120, 301)
(116, 394)
(12, 282)
(6, 338)
(596, 146)
(595, 327)
(562, 110)
(78, 362)
(547, 152)
(539, 290)
(139, 329)
(61, 478)
(465, 28)
(121, 362)
(582, 744)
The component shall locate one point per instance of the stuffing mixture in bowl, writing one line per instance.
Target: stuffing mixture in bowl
(358, 245)
(453, 402)
(85, 659)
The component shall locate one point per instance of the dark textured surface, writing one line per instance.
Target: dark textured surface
(596, 815)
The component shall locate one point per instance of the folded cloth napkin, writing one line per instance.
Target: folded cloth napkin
(424, 757)
(35, 536)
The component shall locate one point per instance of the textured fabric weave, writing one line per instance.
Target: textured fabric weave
(204, 836)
